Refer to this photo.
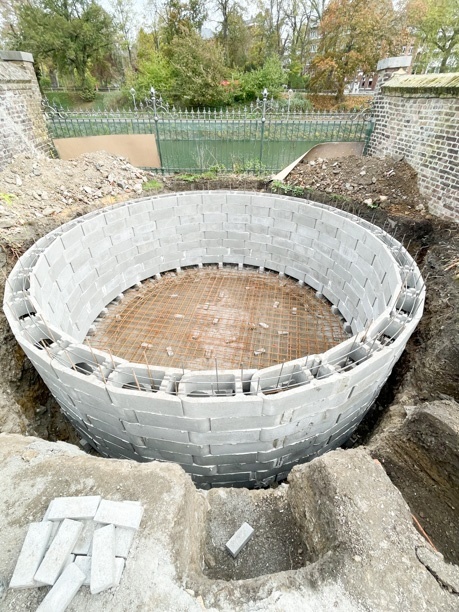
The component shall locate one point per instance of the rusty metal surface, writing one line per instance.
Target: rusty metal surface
(231, 317)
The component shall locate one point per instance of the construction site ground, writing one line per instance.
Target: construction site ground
(413, 428)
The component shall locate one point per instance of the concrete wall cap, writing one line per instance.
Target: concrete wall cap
(402, 61)
(16, 56)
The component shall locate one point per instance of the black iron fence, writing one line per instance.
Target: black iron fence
(262, 137)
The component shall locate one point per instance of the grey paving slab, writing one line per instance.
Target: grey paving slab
(123, 541)
(65, 589)
(59, 551)
(84, 543)
(103, 559)
(31, 555)
(83, 562)
(119, 514)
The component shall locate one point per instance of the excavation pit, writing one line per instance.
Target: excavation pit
(225, 422)
(218, 317)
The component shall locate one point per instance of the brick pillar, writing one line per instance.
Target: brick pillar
(22, 123)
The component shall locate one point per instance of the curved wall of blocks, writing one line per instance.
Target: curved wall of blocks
(257, 428)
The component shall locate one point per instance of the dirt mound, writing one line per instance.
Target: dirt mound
(387, 183)
(36, 189)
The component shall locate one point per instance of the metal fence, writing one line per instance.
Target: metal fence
(262, 137)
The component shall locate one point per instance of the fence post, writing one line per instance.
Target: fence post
(158, 143)
(263, 120)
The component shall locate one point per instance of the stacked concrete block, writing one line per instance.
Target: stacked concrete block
(81, 541)
(221, 429)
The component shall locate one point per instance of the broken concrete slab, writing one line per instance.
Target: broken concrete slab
(65, 589)
(120, 514)
(59, 551)
(237, 542)
(78, 508)
(31, 556)
(103, 559)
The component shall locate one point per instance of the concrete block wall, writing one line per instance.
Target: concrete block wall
(22, 125)
(417, 117)
(252, 430)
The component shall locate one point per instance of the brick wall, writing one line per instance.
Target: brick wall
(418, 117)
(22, 124)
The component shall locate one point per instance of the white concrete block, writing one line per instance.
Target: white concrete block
(124, 538)
(84, 563)
(103, 559)
(54, 530)
(65, 589)
(120, 514)
(83, 507)
(57, 554)
(31, 555)
(239, 539)
(84, 542)
(119, 569)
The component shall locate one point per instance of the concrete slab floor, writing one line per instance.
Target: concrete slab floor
(231, 316)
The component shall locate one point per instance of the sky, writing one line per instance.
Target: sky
(143, 8)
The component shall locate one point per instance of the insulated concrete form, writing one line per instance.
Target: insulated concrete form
(264, 421)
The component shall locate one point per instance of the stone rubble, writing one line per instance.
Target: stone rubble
(94, 178)
(382, 183)
(80, 541)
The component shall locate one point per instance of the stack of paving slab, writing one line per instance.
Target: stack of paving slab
(81, 541)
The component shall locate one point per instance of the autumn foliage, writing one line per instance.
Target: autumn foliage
(355, 34)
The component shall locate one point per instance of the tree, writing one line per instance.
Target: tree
(75, 36)
(198, 70)
(180, 18)
(233, 33)
(302, 18)
(237, 44)
(435, 25)
(269, 32)
(153, 69)
(125, 21)
(270, 76)
(355, 34)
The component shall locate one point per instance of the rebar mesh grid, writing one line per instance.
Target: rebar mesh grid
(208, 316)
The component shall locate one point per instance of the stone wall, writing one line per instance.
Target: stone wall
(417, 117)
(22, 124)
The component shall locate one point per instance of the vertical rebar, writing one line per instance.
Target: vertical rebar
(155, 111)
(263, 121)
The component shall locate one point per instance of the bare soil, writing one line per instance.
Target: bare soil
(390, 183)
(276, 545)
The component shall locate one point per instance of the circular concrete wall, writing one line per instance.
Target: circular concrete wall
(260, 423)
